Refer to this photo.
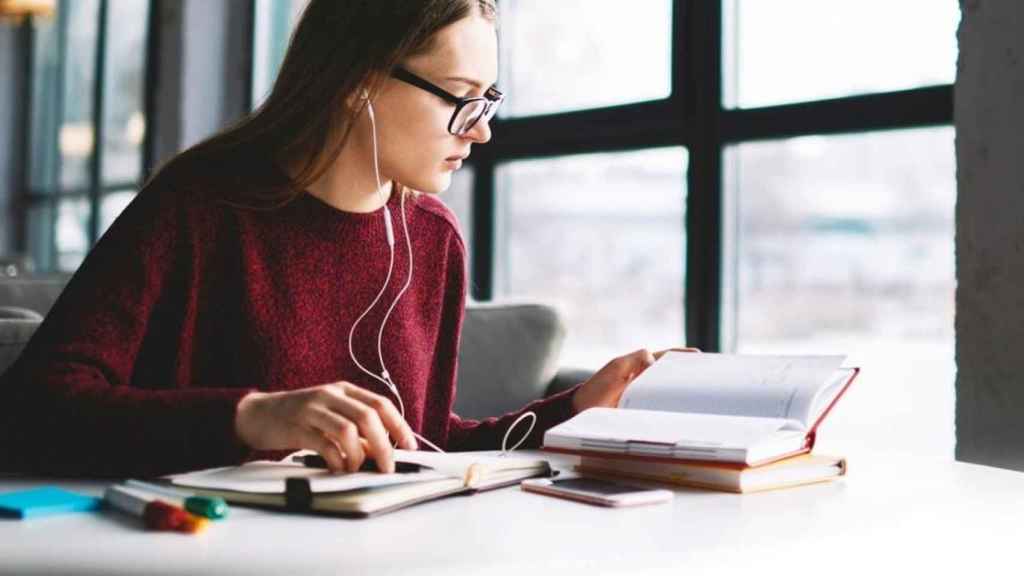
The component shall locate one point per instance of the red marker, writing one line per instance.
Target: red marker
(155, 513)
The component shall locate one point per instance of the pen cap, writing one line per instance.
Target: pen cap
(208, 507)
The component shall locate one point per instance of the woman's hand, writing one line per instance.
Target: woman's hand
(342, 422)
(606, 386)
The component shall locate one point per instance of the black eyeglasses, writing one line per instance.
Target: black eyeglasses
(468, 111)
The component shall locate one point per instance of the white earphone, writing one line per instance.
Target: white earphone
(385, 377)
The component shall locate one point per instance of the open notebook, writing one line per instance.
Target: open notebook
(285, 484)
(746, 409)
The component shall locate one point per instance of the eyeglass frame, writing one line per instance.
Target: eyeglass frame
(492, 97)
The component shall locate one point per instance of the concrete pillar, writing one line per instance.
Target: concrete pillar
(989, 117)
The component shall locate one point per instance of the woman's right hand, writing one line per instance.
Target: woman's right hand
(342, 422)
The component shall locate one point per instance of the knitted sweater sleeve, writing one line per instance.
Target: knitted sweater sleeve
(489, 433)
(78, 406)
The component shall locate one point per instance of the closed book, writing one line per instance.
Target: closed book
(793, 471)
(744, 409)
(289, 485)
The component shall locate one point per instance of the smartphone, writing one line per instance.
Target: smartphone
(596, 491)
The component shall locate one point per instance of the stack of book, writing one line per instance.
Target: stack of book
(737, 423)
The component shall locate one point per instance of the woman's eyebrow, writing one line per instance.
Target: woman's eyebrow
(472, 83)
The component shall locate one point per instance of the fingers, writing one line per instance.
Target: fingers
(314, 439)
(335, 430)
(396, 426)
(351, 446)
(659, 354)
(635, 362)
(360, 420)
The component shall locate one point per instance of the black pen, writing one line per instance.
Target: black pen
(369, 465)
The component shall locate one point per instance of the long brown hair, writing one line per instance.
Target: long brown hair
(338, 47)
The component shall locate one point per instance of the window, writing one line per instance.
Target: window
(844, 244)
(559, 56)
(600, 235)
(87, 126)
(459, 197)
(799, 50)
(272, 29)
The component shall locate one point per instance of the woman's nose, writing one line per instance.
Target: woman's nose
(480, 132)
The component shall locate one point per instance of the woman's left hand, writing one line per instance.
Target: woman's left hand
(606, 386)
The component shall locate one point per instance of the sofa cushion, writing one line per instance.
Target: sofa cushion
(37, 292)
(507, 357)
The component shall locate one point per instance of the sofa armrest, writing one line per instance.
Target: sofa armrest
(508, 356)
(18, 313)
(566, 378)
(14, 335)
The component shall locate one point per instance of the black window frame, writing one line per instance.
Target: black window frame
(694, 117)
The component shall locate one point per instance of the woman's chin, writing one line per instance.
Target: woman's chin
(435, 185)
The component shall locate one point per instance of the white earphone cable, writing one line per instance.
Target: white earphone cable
(385, 376)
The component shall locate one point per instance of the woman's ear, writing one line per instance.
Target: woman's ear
(358, 99)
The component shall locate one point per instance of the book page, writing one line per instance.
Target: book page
(729, 384)
(671, 434)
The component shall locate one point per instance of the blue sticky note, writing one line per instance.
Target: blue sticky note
(45, 501)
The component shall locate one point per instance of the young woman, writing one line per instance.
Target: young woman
(292, 282)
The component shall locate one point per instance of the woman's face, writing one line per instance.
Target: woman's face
(412, 124)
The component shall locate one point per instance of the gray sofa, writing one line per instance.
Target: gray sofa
(508, 355)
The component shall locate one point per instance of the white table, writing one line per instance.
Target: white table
(889, 516)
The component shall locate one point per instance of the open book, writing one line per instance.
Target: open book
(286, 484)
(712, 407)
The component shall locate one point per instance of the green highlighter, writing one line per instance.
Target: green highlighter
(208, 507)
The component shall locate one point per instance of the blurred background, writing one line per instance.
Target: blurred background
(748, 176)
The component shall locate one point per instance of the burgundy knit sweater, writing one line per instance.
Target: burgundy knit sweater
(186, 304)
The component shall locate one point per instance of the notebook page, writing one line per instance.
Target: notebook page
(266, 477)
(456, 464)
(729, 384)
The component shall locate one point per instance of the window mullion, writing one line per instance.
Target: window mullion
(96, 161)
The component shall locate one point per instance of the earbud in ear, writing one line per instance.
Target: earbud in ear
(365, 95)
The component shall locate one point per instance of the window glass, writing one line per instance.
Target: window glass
(844, 244)
(63, 68)
(76, 136)
(274, 20)
(785, 51)
(111, 206)
(124, 105)
(40, 235)
(576, 54)
(602, 236)
(459, 197)
(45, 115)
(72, 233)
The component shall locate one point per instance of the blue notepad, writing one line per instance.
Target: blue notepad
(44, 502)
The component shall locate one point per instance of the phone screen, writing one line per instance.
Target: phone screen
(598, 487)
